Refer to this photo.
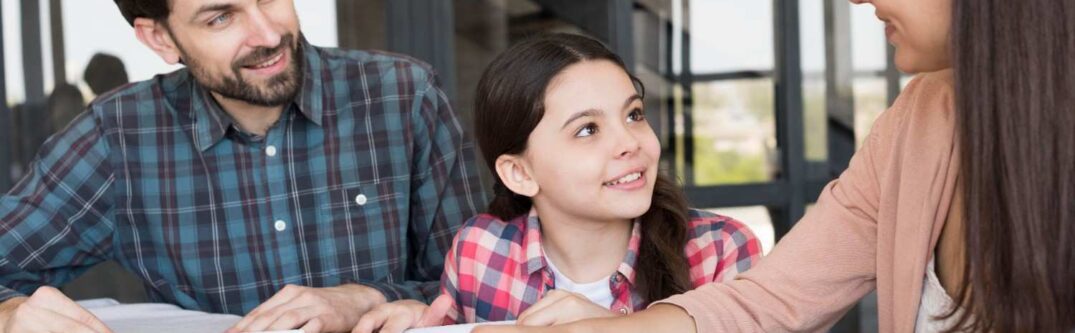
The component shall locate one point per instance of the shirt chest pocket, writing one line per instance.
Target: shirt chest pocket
(368, 223)
(376, 211)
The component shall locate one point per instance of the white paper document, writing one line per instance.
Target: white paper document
(156, 318)
(461, 328)
(168, 318)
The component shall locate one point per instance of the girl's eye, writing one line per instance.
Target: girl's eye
(585, 131)
(220, 19)
(636, 115)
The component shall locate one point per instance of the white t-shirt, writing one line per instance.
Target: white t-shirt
(597, 291)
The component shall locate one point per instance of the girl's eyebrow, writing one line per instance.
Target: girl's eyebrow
(596, 112)
(581, 114)
(631, 99)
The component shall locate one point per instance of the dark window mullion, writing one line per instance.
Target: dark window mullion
(686, 81)
(6, 141)
(840, 99)
(892, 75)
(789, 112)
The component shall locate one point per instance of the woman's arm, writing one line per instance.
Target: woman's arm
(658, 318)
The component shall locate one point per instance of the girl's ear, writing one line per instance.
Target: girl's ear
(516, 176)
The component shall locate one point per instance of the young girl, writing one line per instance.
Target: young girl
(583, 224)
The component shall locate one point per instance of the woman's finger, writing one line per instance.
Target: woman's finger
(550, 298)
(549, 314)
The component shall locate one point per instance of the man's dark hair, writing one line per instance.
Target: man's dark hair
(156, 10)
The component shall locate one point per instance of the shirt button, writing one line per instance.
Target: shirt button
(280, 225)
(360, 199)
(270, 150)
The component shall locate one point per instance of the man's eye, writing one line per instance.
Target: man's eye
(220, 19)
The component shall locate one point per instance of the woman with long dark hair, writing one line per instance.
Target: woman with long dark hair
(583, 223)
(959, 209)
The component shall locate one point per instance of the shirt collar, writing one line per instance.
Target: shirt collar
(535, 255)
(212, 122)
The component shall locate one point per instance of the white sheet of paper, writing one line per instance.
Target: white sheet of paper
(461, 328)
(168, 318)
(156, 317)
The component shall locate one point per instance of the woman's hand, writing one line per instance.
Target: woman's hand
(397, 316)
(561, 307)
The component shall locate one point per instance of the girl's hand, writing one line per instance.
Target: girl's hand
(397, 316)
(561, 307)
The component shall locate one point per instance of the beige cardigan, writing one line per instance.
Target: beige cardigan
(874, 227)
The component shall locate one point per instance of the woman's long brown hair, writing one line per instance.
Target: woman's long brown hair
(1014, 65)
(508, 106)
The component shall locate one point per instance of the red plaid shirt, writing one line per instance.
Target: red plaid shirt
(497, 269)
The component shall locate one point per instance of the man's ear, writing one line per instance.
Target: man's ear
(516, 175)
(155, 36)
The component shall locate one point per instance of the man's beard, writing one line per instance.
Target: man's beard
(278, 90)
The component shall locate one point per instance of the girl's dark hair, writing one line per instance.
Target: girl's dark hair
(1015, 105)
(509, 104)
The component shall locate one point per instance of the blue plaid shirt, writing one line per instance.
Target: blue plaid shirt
(365, 179)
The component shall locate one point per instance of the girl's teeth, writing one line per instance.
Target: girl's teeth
(627, 178)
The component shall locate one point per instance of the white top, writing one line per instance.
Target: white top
(935, 303)
(597, 291)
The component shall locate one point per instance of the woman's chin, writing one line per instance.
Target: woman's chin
(912, 63)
